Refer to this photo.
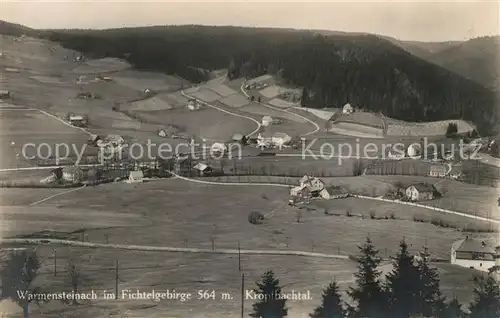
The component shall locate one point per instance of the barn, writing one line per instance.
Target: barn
(474, 253)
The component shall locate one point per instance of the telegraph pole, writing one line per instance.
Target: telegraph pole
(116, 280)
(239, 257)
(55, 263)
(242, 295)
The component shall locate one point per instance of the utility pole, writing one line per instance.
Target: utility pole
(239, 257)
(242, 295)
(55, 263)
(116, 280)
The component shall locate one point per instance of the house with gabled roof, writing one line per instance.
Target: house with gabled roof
(474, 253)
(420, 192)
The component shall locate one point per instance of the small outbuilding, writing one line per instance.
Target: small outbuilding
(438, 171)
(135, 176)
(239, 138)
(72, 174)
(347, 109)
(162, 133)
(4, 94)
(420, 192)
(202, 169)
(267, 120)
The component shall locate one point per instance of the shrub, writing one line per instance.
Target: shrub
(255, 217)
(372, 215)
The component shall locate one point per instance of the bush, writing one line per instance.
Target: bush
(255, 217)
(372, 214)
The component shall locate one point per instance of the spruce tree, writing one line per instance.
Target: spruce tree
(368, 292)
(402, 284)
(430, 301)
(486, 301)
(271, 306)
(331, 306)
(453, 310)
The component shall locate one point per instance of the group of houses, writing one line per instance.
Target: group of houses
(311, 187)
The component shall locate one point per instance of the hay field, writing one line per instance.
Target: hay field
(140, 80)
(257, 109)
(15, 197)
(150, 104)
(281, 103)
(235, 100)
(223, 90)
(263, 78)
(208, 123)
(401, 128)
(206, 95)
(356, 130)
(104, 65)
(322, 114)
(48, 79)
(271, 91)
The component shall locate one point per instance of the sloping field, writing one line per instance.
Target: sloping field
(235, 100)
(140, 80)
(104, 65)
(401, 128)
(356, 130)
(26, 122)
(322, 114)
(13, 197)
(260, 79)
(48, 79)
(257, 109)
(271, 91)
(153, 103)
(207, 123)
(362, 118)
(18, 220)
(223, 90)
(281, 103)
(206, 95)
(175, 99)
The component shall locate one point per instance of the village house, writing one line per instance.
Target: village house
(420, 192)
(474, 253)
(77, 120)
(72, 174)
(239, 138)
(202, 169)
(4, 94)
(135, 176)
(333, 192)
(438, 171)
(314, 184)
(193, 104)
(347, 109)
(162, 133)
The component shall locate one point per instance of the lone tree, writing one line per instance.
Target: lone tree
(17, 278)
(486, 301)
(270, 306)
(331, 304)
(430, 300)
(452, 130)
(367, 292)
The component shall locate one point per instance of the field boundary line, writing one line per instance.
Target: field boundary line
(56, 195)
(229, 183)
(470, 216)
(36, 241)
(62, 121)
(227, 112)
(44, 167)
(285, 111)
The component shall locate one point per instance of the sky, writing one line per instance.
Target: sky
(406, 20)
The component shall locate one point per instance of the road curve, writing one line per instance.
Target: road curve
(227, 112)
(285, 111)
(42, 241)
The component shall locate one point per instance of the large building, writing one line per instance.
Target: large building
(473, 253)
(420, 192)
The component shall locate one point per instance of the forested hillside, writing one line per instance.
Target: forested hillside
(477, 59)
(365, 70)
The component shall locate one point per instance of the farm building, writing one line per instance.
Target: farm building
(4, 94)
(395, 155)
(267, 120)
(72, 174)
(438, 171)
(333, 193)
(474, 253)
(11, 70)
(239, 138)
(162, 133)
(135, 176)
(203, 169)
(347, 109)
(313, 183)
(193, 104)
(420, 192)
(77, 120)
(147, 91)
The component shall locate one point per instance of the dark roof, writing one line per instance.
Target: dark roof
(424, 187)
(474, 245)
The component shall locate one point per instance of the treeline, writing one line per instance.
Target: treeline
(410, 290)
(364, 70)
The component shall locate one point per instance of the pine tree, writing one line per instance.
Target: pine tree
(486, 298)
(368, 291)
(402, 284)
(331, 306)
(430, 301)
(453, 310)
(271, 306)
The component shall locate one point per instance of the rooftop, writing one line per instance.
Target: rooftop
(473, 245)
(423, 187)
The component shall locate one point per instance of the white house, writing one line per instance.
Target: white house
(267, 120)
(420, 192)
(313, 183)
(438, 171)
(218, 148)
(474, 253)
(347, 109)
(202, 168)
(414, 150)
(4, 94)
(193, 104)
(147, 91)
(72, 174)
(135, 176)
(76, 120)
